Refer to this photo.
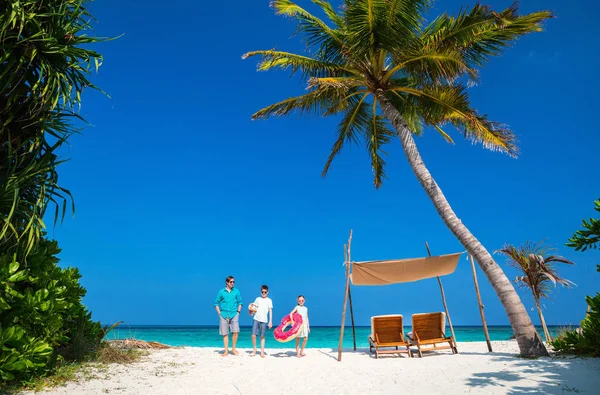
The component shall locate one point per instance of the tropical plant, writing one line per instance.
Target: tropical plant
(586, 339)
(42, 314)
(44, 68)
(589, 236)
(387, 73)
(538, 273)
(43, 71)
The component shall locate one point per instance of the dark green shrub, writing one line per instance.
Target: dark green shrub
(42, 318)
(585, 340)
(45, 65)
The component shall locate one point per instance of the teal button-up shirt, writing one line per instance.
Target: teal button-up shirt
(228, 302)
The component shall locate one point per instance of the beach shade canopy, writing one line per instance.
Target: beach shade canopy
(402, 270)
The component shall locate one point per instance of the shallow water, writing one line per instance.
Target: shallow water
(320, 336)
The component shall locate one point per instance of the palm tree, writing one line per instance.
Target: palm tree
(389, 74)
(538, 272)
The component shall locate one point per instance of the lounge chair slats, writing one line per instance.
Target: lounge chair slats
(388, 331)
(428, 329)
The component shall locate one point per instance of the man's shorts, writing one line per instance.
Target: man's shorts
(227, 325)
(259, 328)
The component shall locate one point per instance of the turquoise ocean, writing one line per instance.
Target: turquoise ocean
(320, 336)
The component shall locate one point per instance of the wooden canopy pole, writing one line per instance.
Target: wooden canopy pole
(347, 263)
(485, 328)
(350, 298)
(444, 302)
(352, 317)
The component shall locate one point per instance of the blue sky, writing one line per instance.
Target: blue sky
(176, 188)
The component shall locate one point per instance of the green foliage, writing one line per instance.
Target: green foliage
(374, 52)
(44, 69)
(42, 317)
(589, 236)
(21, 353)
(586, 340)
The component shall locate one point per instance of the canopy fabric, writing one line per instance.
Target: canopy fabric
(402, 270)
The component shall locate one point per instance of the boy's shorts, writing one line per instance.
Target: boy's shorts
(259, 328)
(229, 324)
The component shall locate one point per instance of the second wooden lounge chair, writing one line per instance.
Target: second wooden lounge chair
(428, 329)
(388, 332)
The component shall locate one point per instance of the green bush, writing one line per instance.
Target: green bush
(42, 318)
(45, 65)
(586, 340)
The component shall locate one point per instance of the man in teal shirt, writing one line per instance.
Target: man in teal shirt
(228, 305)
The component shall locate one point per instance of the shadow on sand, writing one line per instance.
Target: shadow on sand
(283, 354)
(550, 375)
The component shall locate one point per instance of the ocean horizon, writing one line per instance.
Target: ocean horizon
(320, 336)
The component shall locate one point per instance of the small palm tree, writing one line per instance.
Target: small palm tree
(538, 272)
(388, 74)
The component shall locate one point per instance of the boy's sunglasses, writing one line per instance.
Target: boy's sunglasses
(264, 292)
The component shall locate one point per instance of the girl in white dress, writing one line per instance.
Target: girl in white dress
(304, 329)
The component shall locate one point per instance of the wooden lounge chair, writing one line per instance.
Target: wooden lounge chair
(428, 330)
(387, 331)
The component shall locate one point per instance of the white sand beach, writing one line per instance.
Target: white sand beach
(191, 370)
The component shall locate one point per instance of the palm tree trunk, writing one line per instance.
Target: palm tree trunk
(542, 320)
(528, 339)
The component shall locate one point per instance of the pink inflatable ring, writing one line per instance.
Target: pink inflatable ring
(280, 333)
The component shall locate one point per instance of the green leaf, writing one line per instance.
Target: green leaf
(12, 267)
(18, 276)
(3, 304)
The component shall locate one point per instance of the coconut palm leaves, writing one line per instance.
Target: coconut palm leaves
(372, 50)
(43, 70)
(538, 272)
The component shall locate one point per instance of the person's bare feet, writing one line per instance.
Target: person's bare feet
(225, 354)
(302, 354)
(234, 352)
(262, 355)
(253, 353)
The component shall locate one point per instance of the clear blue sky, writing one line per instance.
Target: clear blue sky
(176, 188)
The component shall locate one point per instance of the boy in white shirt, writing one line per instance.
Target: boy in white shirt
(264, 310)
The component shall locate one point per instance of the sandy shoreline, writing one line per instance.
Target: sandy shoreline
(192, 370)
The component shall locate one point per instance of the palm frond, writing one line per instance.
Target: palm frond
(439, 104)
(445, 135)
(405, 106)
(327, 8)
(343, 83)
(308, 66)
(316, 32)
(367, 27)
(405, 19)
(481, 32)
(323, 99)
(432, 65)
(378, 134)
(353, 124)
